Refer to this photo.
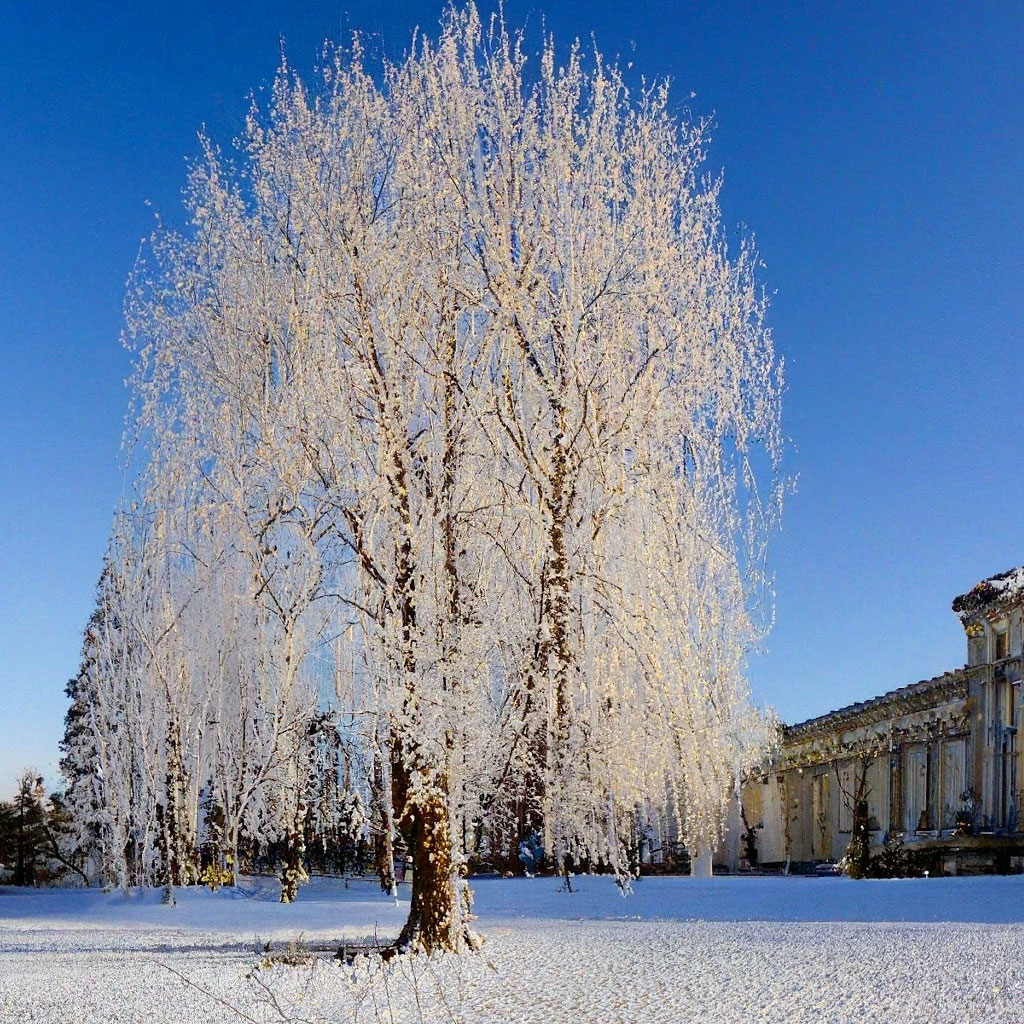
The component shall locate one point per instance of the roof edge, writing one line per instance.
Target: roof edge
(923, 686)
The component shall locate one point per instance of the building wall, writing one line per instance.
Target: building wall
(936, 750)
(918, 767)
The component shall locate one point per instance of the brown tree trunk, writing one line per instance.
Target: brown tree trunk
(293, 873)
(558, 615)
(437, 920)
(179, 866)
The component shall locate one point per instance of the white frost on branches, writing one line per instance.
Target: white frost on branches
(460, 419)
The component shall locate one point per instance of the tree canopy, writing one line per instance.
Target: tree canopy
(459, 425)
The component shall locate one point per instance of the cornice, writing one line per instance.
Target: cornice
(920, 696)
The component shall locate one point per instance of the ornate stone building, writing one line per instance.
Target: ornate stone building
(936, 761)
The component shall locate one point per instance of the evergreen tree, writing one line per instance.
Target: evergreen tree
(25, 840)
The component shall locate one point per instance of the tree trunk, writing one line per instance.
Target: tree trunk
(294, 873)
(438, 917)
(233, 853)
(384, 855)
(560, 768)
(19, 871)
(700, 866)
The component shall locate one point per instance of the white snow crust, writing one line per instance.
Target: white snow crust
(720, 950)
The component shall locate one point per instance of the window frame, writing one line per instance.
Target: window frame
(1000, 637)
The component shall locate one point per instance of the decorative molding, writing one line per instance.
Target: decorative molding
(925, 712)
(907, 700)
(996, 593)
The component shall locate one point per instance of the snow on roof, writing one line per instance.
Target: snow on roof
(936, 686)
(999, 589)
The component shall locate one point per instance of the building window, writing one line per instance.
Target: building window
(915, 790)
(954, 780)
(821, 812)
(1002, 649)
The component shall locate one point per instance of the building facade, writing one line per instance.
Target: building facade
(936, 763)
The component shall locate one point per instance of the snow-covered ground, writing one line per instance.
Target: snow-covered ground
(725, 950)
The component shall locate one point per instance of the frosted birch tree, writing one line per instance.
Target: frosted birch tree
(457, 412)
(632, 377)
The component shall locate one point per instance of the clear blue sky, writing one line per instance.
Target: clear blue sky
(875, 149)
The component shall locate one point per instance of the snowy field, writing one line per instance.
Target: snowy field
(723, 950)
